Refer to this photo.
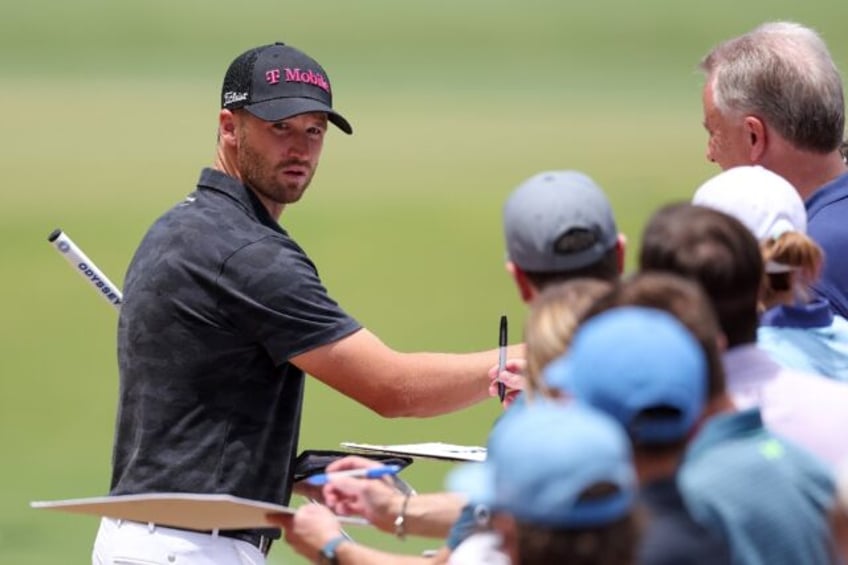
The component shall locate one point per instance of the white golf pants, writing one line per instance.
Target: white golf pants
(120, 542)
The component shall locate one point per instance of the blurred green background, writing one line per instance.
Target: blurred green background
(109, 112)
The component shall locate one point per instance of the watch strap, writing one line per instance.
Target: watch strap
(328, 552)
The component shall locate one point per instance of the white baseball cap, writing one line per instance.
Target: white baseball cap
(765, 202)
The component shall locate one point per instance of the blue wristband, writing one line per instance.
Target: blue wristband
(328, 552)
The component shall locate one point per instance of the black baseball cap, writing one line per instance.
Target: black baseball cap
(274, 82)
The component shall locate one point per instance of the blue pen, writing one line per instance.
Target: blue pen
(372, 473)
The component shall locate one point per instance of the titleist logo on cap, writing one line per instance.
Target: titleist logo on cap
(231, 97)
(273, 76)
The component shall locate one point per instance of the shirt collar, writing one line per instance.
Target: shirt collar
(837, 189)
(722, 427)
(816, 314)
(215, 180)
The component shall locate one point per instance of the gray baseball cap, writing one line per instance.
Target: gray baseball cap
(558, 221)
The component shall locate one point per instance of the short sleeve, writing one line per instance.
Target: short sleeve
(274, 294)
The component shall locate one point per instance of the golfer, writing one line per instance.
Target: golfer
(224, 313)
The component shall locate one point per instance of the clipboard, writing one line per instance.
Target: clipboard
(428, 450)
(179, 510)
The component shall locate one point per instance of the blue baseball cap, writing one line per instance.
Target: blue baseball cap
(543, 458)
(642, 367)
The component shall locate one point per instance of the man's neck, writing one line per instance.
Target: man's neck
(653, 467)
(807, 171)
(225, 163)
(718, 404)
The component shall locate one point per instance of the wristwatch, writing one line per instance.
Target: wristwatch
(327, 556)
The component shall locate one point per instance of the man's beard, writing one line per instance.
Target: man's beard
(261, 175)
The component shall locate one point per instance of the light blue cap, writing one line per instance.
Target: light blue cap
(542, 459)
(632, 359)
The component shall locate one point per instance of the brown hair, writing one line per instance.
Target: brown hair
(717, 251)
(611, 544)
(605, 269)
(685, 300)
(799, 252)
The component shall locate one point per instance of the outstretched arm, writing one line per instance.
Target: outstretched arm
(396, 384)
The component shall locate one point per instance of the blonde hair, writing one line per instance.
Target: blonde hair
(554, 317)
(802, 256)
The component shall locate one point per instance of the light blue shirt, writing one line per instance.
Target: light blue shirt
(807, 338)
(768, 498)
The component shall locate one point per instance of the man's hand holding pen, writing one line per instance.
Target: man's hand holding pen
(512, 377)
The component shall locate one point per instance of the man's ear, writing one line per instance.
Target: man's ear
(227, 126)
(755, 130)
(525, 288)
(620, 252)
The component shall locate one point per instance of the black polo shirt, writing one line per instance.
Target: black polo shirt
(217, 299)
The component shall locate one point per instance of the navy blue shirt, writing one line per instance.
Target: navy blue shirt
(217, 299)
(671, 536)
(827, 210)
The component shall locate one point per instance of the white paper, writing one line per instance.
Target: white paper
(430, 450)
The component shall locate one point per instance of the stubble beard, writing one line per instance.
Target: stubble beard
(260, 174)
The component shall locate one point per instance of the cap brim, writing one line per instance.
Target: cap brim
(559, 374)
(775, 268)
(283, 108)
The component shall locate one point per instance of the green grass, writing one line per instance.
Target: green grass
(110, 110)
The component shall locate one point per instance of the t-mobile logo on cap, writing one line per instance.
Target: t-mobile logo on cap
(296, 75)
(309, 77)
(272, 76)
